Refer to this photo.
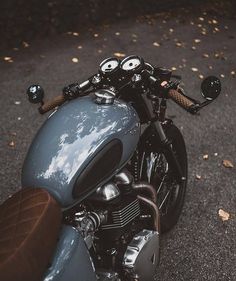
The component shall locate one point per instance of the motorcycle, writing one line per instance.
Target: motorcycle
(104, 177)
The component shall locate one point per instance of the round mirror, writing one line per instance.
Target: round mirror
(35, 94)
(211, 87)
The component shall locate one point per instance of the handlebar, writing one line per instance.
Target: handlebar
(76, 89)
(70, 92)
(181, 100)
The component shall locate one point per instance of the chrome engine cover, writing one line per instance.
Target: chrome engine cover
(142, 256)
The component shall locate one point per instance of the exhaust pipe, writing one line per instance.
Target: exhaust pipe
(148, 188)
(155, 211)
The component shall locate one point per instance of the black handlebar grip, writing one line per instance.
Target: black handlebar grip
(57, 101)
(180, 99)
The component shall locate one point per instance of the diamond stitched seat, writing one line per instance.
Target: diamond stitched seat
(29, 227)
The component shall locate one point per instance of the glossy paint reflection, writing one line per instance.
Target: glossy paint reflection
(70, 137)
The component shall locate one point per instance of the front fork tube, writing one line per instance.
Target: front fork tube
(168, 152)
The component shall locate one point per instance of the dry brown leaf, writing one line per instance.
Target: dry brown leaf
(227, 164)
(198, 177)
(119, 55)
(197, 40)
(223, 215)
(7, 58)
(178, 44)
(75, 60)
(25, 44)
(11, 144)
(205, 55)
(205, 157)
(156, 44)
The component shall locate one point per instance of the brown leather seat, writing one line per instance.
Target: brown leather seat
(29, 226)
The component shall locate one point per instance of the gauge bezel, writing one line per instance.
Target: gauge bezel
(112, 71)
(136, 69)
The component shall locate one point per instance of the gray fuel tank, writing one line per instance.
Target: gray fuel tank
(67, 143)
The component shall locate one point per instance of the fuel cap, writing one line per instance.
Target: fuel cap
(104, 96)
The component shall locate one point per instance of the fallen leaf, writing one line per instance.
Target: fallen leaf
(75, 60)
(95, 35)
(173, 68)
(178, 44)
(17, 102)
(223, 215)
(194, 69)
(79, 47)
(201, 19)
(11, 144)
(75, 33)
(222, 75)
(117, 33)
(25, 44)
(198, 177)
(201, 76)
(214, 21)
(215, 154)
(194, 48)
(7, 58)
(156, 44)
(119, 55)
(232, 73)
(197, 40)
(205, 55)
(227, 164)
(205, 157)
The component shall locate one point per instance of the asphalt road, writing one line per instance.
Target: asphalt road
(201, 246)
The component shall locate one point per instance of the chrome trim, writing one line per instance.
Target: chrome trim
(142, 256)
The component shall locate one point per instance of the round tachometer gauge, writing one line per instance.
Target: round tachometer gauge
(132, 63)
(109, 65)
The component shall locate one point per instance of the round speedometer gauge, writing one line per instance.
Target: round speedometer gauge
(132, 63)
(109, 65)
